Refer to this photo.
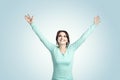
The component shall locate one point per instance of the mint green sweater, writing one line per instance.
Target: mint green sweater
(62, 63)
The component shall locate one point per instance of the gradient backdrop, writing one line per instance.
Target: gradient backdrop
(24, 57)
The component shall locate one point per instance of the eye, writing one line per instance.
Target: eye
(65, 36)
(59, 35)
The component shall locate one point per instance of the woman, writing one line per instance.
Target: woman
(62, 54)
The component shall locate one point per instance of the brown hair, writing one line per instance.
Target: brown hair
(67, 35)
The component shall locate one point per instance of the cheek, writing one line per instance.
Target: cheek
(66, 39)
(58, 39)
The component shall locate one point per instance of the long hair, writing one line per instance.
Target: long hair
(67, 35)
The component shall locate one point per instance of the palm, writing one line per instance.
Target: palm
(96, 20)
(29, 19)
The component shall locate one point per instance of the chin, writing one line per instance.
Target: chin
(63, 43)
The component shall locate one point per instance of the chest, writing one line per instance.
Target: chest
(62, 58)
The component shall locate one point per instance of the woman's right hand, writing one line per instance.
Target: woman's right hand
(29, 18)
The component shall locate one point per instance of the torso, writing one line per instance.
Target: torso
(62, 64)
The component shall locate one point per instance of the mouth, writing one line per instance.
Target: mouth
(62, 40)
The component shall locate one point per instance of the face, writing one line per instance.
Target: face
(62, 38)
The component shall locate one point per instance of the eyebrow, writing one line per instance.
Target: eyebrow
(61, 35)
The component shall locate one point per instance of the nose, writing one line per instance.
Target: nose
(62, 37)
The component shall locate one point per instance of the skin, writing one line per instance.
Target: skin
(62, 39)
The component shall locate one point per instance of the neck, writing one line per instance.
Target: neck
(62, 46)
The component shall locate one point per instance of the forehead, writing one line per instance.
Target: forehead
(62, 33)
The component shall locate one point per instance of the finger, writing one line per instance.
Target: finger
(28, 16)
(98, 18)
(32, 17)
(25, 17)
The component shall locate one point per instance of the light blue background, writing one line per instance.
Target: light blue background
(23, 56)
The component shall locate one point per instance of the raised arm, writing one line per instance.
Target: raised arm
(48, 45)
(85, 35)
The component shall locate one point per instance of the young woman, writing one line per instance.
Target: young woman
(62, 53)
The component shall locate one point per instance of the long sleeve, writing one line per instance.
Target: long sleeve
(84, 36)
(47, 44)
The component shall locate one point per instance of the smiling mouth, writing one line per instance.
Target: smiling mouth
(62, 40)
